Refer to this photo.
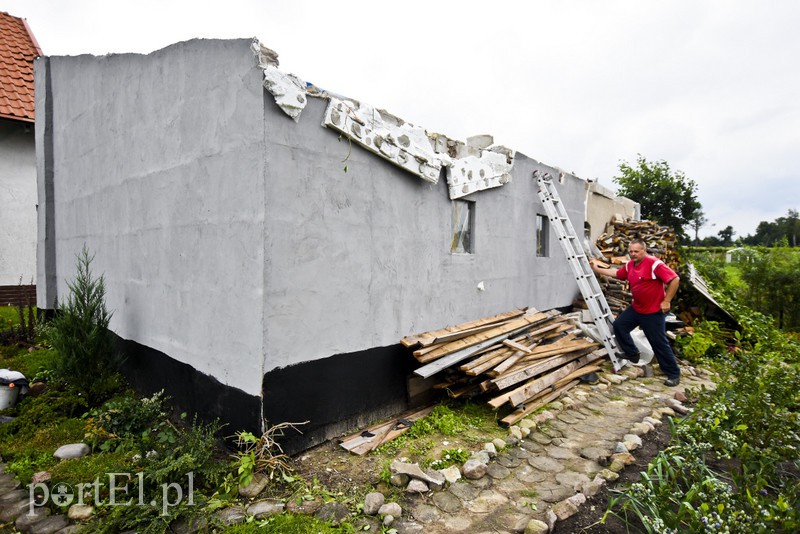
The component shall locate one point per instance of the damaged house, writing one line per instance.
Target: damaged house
(265, 244)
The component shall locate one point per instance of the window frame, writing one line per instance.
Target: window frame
(458, 245)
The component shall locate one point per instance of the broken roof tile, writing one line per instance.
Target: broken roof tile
(18, 49)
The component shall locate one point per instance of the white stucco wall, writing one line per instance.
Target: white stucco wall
(17, 203)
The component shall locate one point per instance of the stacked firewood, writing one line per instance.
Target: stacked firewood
(613, 245)
(520, 359)
(661, 240)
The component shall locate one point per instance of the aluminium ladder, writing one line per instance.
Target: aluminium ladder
(578, 261)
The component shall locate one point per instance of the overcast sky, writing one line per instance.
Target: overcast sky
(711, 87)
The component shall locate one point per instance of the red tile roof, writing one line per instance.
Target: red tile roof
(18, 48)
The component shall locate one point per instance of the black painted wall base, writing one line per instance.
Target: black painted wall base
(337, 394)
(149, 371)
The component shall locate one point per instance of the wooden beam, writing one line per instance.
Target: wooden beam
(429, 337)
(452, 359)
(540, 401)
(520, 395)
(497, 334)
(515, 376)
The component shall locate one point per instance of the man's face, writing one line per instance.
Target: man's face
(636, 252)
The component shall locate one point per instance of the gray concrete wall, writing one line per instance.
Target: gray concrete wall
(17, 203)
(233, 240)
(361, 258)
(158, 168)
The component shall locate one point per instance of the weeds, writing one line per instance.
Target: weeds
(263, 454)
(733, 466)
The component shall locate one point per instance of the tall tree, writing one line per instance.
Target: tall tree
(726, 235)
(698, 221)
(667, 197)
(772, 234)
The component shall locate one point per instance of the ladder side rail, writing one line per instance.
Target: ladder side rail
(584, 276)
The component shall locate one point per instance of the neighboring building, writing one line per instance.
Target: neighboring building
(18, 49)
(603, 207)
(261, 267)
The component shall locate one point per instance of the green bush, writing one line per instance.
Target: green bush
(79, 333)
(125, 418)
(734, 463)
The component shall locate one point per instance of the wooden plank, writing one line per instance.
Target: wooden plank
(540, 401)
(459, 356)
(488, 364)
(531, 372)
(454, 358)
(516, 346)
(446, 338)
(488, 355)
(386, 432)
(503, 330)
(428, 337)
(425, 350)
(520, 374)
(561, 346)
(511, 360)
(521, 394)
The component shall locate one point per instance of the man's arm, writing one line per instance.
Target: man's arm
(600, 270)
(671, 289)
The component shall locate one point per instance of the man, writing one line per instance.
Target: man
(653, 286)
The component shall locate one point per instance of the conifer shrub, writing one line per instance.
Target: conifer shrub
(88, 358)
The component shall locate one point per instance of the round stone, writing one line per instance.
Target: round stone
(529, 475)
(545, 463)
(447, 502)
(559, 453)
(497, 471)
(464, 491)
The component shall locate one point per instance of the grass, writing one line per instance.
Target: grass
(9, 316)
(31, 364)
(448, 426)
(290, 524)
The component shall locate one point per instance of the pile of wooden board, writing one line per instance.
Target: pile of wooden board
(520, 359)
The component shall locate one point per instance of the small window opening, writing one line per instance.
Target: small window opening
(541, 236)
(463, 223)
